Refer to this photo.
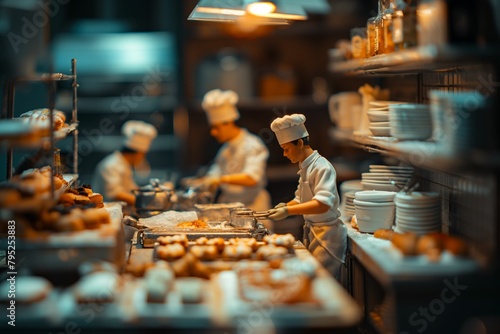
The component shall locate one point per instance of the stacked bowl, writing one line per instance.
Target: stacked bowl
(410, 121)
(378, 114)
(380, 176)
(374, 210)
(418, 212)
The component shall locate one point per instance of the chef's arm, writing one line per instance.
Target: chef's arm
(240, 179)
(125, 197)
(311, 207)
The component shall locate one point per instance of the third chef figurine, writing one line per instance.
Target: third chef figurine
(316, 197)
(240, 165)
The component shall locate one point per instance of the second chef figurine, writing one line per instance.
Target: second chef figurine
(316, 197)
(114, 175)
(240, 165)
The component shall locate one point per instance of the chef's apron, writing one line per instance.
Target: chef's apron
(326, 241)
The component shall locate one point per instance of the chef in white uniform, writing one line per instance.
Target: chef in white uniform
(316, 197)
(114, 175)
(240, 165)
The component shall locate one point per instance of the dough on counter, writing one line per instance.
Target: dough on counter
(190, 289)
(29, 289)
(159, 281)
(98, 287)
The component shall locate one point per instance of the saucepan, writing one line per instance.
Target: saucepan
(153, 197)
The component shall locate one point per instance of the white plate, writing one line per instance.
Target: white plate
(376, 186)
(399, 168)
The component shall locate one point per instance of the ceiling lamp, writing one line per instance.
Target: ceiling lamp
(263, 12)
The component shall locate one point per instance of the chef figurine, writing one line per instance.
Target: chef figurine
(240, 165)
(316, 197)
(114, 175)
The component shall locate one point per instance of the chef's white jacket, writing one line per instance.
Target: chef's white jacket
(244, 154)
(113, 175)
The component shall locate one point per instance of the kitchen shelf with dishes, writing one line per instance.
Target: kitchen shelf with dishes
(420, 59)
(420, 153)
(40, 128)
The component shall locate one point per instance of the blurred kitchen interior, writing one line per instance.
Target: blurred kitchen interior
(145, 60)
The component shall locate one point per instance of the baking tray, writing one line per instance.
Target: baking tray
(148, 237)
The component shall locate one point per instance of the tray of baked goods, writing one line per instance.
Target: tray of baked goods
(187, 223)
(64, 231)
(33, 126)
(175, 247)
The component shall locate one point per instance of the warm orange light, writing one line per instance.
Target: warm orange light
(261, 8)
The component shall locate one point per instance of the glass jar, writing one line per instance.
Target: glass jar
(404, 24)
(372, 37)
(387, 26)
(358, 43)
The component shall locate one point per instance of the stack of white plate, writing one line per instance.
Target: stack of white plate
(347, 190)
(418, 212)
(410, 121)
(378, 114)
(374, 210)
(348, 208)
(380, 176)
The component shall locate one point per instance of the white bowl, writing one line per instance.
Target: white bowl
(380, 131)
(375, 196)
(369, 204)
(374, 218)
(378, 116)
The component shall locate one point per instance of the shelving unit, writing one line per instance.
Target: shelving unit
(422, 153)
(49, 142)
(416, 60)
(465, 179)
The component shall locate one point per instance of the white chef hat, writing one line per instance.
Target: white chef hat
(220, 106)
(139, 135)
(289, 128)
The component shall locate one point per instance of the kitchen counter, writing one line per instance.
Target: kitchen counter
(389, 266)
(221, 310)
(226, 309)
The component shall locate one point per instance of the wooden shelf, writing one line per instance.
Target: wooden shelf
(419, 153)
(416, 60)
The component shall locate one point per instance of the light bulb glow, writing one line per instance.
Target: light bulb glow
(261, 8)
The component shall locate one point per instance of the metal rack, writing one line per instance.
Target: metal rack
(50, 79)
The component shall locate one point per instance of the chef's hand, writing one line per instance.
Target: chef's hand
(279, 213)
(211, 182)
(280, 205)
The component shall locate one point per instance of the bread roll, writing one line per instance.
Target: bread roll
(384, 234)
(406, 243)
(456, 246)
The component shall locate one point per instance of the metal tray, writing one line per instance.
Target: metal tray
(148, 237)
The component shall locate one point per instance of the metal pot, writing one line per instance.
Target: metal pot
(153, 198)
